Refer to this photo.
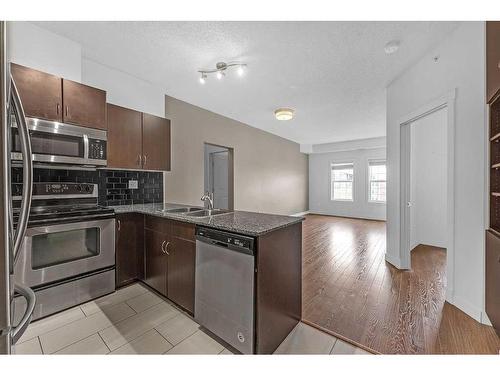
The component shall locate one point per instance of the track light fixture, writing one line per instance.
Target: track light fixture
(220, 70)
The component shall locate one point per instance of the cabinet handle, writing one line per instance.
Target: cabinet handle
(139, 159)
(163, 247)
(166, 248)
(145, 159)
(118, 224)
(57, 108)
(67, 111)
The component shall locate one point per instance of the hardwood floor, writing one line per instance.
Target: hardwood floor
(350, 290)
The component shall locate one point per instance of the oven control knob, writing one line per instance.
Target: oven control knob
(87, 188)
(79, 188)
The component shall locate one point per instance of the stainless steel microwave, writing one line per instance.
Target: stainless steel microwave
(59, 143)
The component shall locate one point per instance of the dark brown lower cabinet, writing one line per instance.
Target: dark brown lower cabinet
(493, 279)
(180, 274)
(278, 293)
(155, 273)
(170, 252)
(129, 248)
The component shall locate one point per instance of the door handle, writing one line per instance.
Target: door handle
(27, 154)
(163, 247)
(29, 296)
(166, 248)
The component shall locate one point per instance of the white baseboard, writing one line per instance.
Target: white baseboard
(348, 216)
(394, 260)
(485, 319)
(303, 213)
(450, 295)
(467, 308)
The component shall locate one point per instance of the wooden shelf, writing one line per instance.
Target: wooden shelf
(496, 138)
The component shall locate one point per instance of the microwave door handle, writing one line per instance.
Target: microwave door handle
(25, 142)
(29, 296)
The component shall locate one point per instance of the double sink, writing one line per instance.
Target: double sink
(195, 212)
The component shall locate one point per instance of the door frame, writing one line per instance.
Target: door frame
(211, 174)
(445, 101)
(230, 176)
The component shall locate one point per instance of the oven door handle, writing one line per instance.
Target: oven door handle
(27, 154)
(29, 296)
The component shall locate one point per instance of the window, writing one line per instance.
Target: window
(377, 181)
(342, 181)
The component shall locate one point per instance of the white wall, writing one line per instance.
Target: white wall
(124, 89)
(40, 49)
(428, 180)
(461, 66)
(319, 184)
(270, 172)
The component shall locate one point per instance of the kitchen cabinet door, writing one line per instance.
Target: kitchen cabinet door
(492, 284)
(84, 105)
(41, 93)
(492, 58)
(155, 143)
(124, 145)
(181, 272)
(129, 248)
(155, 261)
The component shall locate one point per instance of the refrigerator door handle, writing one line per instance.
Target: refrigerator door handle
(30, 298)
(25, 141)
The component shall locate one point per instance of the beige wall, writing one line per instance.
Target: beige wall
(270, 174)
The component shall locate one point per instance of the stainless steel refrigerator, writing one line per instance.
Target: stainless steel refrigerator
(11, 237)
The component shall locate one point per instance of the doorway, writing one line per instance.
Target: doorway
(218, 176)
(432, 191)
(428, 180)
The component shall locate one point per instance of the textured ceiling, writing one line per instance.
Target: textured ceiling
(333, 74)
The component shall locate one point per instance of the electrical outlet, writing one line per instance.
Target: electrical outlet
(133, 184)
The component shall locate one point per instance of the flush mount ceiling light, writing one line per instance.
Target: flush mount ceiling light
(391, 47)
(220, 70)
(284, 114)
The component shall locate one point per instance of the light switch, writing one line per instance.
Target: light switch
(133, 184)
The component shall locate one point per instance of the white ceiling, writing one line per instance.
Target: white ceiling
(333, 74)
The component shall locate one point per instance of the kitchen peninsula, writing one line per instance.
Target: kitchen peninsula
(158, 247)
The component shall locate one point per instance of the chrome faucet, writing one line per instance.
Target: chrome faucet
(208, 197)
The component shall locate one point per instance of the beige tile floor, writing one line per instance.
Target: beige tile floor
(134, 320)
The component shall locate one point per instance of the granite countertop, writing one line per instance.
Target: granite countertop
(249, 223)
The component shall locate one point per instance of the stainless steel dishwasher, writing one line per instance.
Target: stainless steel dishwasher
(224, 292)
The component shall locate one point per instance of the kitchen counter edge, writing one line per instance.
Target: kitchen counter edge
(242, 222)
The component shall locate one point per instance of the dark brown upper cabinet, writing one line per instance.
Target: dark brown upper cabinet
(41, 93)
(52, 98)
(124, 145)
(155, 143)
(84, 105)
(492, 59)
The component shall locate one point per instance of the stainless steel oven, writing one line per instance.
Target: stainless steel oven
(68, 253)
(54, 252)
(55, 142)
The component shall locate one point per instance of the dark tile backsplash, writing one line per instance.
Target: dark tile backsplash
(113, 187)
(112, 184)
